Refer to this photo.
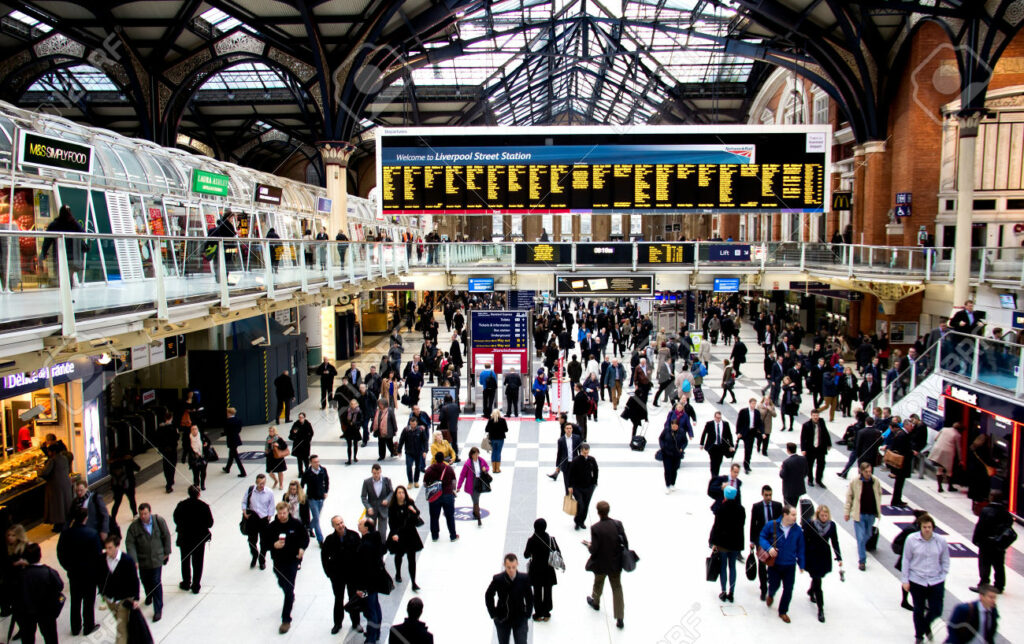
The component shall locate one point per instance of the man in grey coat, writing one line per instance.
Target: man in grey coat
(148, 542)
(376, 491)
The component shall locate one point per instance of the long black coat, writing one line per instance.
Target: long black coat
(301, 436)
(818, 549)
(727, 531)
(538, 548)
(192, 523)
(402, 523)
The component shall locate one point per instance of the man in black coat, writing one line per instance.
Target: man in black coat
(118, 583)
(582, 483)
(814, 443)
(36, 598)
(868, 389)
(327, 372)
(607, 537)
(901, 444)
(749, 428)
(865, 446)
(716, 440)
(368, 405)
(793, 472)
(301, 436)
(965, 320)
(448, 418)
(412, 630)
(513, 384)
(192, 522)
(761, 514)
(372, 381)
(509, 599)
(992, 535)
(777, 373)
(233, 439)
(580, 408)
(285, 392)
(288, 542)
(78, 551)
(167, 438)
(568, 447)
(739, 355)
(371, 577)
(338, 557)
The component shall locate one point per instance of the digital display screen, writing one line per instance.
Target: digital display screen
(604, 285)
(498, 329)
(681, 253)
(557, 169)
(481, 284)
(543, 253)
(727, 285)
(1008, 301)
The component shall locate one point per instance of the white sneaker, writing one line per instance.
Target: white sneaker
(668, 490)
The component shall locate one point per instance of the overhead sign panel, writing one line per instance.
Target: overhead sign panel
(210, 183)
(270, 195)
(38, 150)
(663, 169)
(604, 285)
(727, 285)
(481, 284)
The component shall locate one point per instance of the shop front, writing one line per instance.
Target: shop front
(65, 400)
(1001, 418)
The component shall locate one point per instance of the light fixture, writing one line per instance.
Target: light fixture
(259, 341)
(103, 359)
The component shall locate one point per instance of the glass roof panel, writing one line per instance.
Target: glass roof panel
(29, 21)
(80, 78)
(253, 75)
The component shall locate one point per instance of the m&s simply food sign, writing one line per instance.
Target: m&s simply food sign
(38, 150)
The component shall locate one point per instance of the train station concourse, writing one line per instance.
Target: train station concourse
(515, 321)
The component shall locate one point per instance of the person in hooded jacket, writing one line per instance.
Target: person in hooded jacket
(543, 576)
(727, 538)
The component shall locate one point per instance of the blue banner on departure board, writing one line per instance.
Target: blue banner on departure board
(729, 253)
(498, 329)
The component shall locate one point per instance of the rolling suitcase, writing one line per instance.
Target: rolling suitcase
(698, 393)
(638, 442)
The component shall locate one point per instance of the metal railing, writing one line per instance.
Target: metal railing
(996, 363)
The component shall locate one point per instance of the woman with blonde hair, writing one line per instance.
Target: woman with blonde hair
(275, 450)
(820, 541)
(298, 505)
(439, 444)
(496, 431)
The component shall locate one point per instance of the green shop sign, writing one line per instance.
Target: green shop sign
(210, 183)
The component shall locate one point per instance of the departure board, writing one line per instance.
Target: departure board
(654, 169)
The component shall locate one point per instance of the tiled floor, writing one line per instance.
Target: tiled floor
(667, 599)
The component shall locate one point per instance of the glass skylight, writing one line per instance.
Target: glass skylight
(245, 76)
(74, 80)
(30, 21)
(222, 21)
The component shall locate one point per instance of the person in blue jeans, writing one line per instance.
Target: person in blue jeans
(317, 484)
(371, 577)
(414, 441)
(727, 538)
(496, 431)
(784, 540)
(863, 503)
(441, 499)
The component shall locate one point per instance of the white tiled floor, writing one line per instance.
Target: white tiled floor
(666, 598)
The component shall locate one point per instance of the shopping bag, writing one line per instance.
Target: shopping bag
(569, 505)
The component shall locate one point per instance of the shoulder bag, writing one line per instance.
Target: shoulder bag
(279, 452)
(762, 554)
(485, 444)
(629, 557)
(248, 507)
(893, 460)
(555, 556)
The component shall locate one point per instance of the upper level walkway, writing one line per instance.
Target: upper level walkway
(91, 287)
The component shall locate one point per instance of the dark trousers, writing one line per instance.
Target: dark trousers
(897, 489)
(583, 496)
(784, 576)
(119, 494)
(762, 444)
(384, 446)
(446, 504)
(234, 458)
(151, 582)
(412, 564)
(254, 530)
(167, 460)
(582, 422)
(192, 565)
(728, 389)
(542, 600)
(538, 404)
(564, 469)
(748, 449)
(927, 606)
(339, 586)
(199, 474)
(815, 464)
(512, 404)
(303, 460)
(47, 628)
(488, 401)
(715, 455)
(83, 603)
(516, 629)
(667, 387)
(671, 465)
(762, 577)
(326, 390)
(285, 573)
(284, 406)
(413, 463)
(989, 559)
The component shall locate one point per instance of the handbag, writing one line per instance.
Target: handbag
(893, 460)
(762, 554)
(248, 506)
(628, 557)
(210, 454)
(751, 567)
(569, 505)
(712, 566)
(279, 453)
(485, 444)
(555, 556)
(1004, 539)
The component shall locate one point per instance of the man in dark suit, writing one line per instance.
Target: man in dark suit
(118, 583)
(513, 385)
(749, 428)
(375, 494)
(606, 560)
(975, 621)
(78, 551)
(448, 418)
(866, 442)
(869, 388)
(285, 392)
(717, 485)
(814, 443)
(965, 320)
(762, 513)
(901, 444)
(192, 522)
(580, 408)
(338, 557)
(412, 630)
(582, 483)
(716, 440)
(509, 599)
(778, 372)
(233, 438)
(642, 380)
(327, 373)
(568, 447)
(793, 472)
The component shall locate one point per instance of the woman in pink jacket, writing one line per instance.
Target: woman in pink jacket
(475, 479)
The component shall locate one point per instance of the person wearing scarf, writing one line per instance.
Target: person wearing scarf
(820, 541)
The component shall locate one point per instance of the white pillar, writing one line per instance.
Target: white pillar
(335, 155)
(964, 205)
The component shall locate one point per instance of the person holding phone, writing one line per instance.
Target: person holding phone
(289, 540)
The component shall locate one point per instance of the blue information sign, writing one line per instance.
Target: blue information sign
(729, 253)
(1018, 319)
(481, 284)
(727, 285)
(521, 300)
(499, 329)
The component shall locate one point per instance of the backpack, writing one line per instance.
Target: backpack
(491, 382)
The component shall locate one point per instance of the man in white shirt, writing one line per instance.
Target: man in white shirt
(925, 566)
(257, 511)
